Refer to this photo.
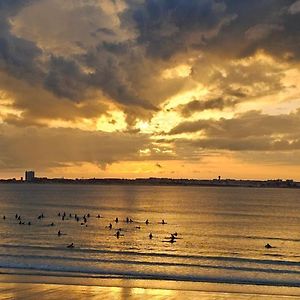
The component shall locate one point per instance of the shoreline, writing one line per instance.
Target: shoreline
(57, 287)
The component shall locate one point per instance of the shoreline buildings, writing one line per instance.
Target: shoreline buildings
(29, 176)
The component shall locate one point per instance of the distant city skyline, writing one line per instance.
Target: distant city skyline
(151, 88)
(32, 176)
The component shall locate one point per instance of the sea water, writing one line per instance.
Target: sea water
(221, 234)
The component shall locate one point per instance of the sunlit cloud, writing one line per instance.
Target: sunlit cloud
(140, 88)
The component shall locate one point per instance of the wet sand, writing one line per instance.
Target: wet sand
(56, 291)
(36, 287)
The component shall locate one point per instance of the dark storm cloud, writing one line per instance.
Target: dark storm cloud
(166, 27)
(65, 79)
(17, 55)
(267, 25)
(127, 67)
(63, 76)
(111, 64)
(231, 28)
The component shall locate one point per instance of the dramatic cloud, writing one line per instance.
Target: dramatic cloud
(252, 123)
(20, 148)
(168, 27)
(251, 131)
(17, 55)
(165, 80)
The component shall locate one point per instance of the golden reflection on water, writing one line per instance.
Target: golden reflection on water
(33, 291)
(209, 224)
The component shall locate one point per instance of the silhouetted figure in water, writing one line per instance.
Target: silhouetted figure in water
(20, 223)
(59, 233)
(127, 220)
(29, 223)
(163, 222)
(98, 217)
(118, 234)
(268, 246)
(130, 220)
(19, 218)
(70, 246)
(147, 222)
(4, 217)
(52, 224)
(88, 215)
(58, 214)
(150, 236)
(117, 220)
(16, 216)
(110, 226)
(174, 235)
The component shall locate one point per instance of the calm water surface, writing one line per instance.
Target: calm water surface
(221, 234)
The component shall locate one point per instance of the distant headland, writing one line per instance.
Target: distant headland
(30, 178)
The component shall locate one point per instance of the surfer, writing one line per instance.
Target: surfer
(70, 246)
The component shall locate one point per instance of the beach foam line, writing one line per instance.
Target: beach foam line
(98, 273)
(229, 259)
(59, 259)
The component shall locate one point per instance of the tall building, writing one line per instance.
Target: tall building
(29, 176)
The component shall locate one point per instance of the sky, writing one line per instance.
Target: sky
(141, 88)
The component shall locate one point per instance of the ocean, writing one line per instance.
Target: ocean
(219, 245)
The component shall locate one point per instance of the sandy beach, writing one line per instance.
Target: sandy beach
(27, 291)
(43, 287)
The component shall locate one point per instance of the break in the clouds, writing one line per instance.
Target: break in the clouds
(251, 131)
(178, 79)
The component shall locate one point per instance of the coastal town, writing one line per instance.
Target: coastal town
(30, 178)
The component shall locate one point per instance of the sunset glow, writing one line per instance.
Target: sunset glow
(143, 88)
